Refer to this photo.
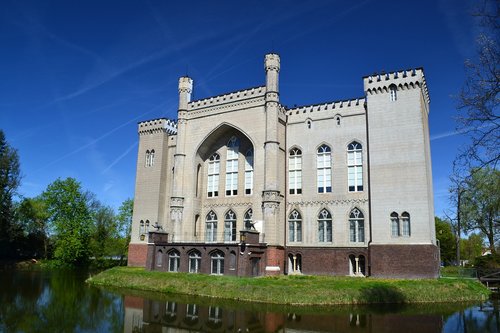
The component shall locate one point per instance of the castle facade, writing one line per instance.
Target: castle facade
(242, 185)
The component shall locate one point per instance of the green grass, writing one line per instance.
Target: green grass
(295, 290)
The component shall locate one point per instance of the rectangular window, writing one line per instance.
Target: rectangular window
(295, 174)
(230, 231)
(194, 265)
(232, 177)
(213, 177)
(352, 231)
(406, 227)
(211, 232)
(249, 172)
(395, 227)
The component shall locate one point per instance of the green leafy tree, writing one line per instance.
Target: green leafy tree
(71, 220)
(124, 225)
(33, 216)
(105, 230)
(10, 179)
(471, 247)
(446, 239)
(481, 204)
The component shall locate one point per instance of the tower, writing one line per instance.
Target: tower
(403, 240)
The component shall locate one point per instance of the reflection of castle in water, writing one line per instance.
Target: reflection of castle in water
(147, 316)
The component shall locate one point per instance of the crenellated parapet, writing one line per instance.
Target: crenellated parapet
(227, 102)
(161, 125)
(344, 108)
(402, 80)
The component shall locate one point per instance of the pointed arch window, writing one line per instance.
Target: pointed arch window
(211, 227)
(356, 226)
(324, 226)
(295, 171)
(230, 227)
(141, 229)
(150, 157)
(232, 166)
(395, 224)
(405, 221)
(194, 261)
(249, 172)
(174, 260)
(213, 175)
(217, 263)
(324, 171)
(247, 219)
(295, 227)
(159, 258)
(393, 92)
(355, 167)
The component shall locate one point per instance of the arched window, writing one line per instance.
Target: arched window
(217, 259)
(324, 226)
(324, 171)
(194, 261)
(249, 172)
(147, 158)
(356, 226)
(247, 219)
(405, 219)
(230, 227)
(393, 91)
(174, 259)
(147, 226)
(295, 171)
(394, 224)
(232, 260)
(159, 258)
(192, 314)
(213, 175)
(232, 167)
(295, 227)
(141, 229)
(152, 158)
(294, 263)
(211, 227)
(355, 167)
(198, 180)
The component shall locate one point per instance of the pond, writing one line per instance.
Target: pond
(60, 301)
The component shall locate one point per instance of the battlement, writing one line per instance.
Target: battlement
(403, 80)
(227, 98)
(161, 125)
(330, 106)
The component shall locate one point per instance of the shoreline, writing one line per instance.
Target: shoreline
(297, 290)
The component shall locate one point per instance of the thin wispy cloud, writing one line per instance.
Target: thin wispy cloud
(119, 158)
(457, 132)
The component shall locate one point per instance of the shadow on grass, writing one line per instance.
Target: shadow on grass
(382, 294)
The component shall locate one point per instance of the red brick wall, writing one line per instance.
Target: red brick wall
(137, 255)
(404, 261)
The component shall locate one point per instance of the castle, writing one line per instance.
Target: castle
(242, 185)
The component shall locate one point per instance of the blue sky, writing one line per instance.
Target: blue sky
(77, 76)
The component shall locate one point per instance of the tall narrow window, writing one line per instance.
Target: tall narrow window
(213, 175)
(247, 219)
(230, 227)
(295, 227)
(324, 172)
(392, 90)
(194, 261)
(324, 226)
(249, 172)
(356, 226)
(147, 226)
(152, 158)
(394, 224)
(198, 180)
(217, 259)
(295, 171)
(174, 260)
(355, 167)
(405, 219)
(232, 167)
(211, 227)
(141, 229)
(148, 154)
(159, 258)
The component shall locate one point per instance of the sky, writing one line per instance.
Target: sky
(77, 76)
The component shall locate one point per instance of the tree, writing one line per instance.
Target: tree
(446, 239)
(71, 220)
(33, 216)
(10, 179)
(481, 204)
(472, 247)
(105, 229)
(478, 101)
(124, 220)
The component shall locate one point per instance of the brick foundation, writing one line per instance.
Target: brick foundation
(404, 261)
(137, 255)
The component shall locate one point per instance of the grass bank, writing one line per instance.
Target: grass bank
(294, 290)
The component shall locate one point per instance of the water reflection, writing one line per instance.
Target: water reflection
(60, 301)
(178, 316)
